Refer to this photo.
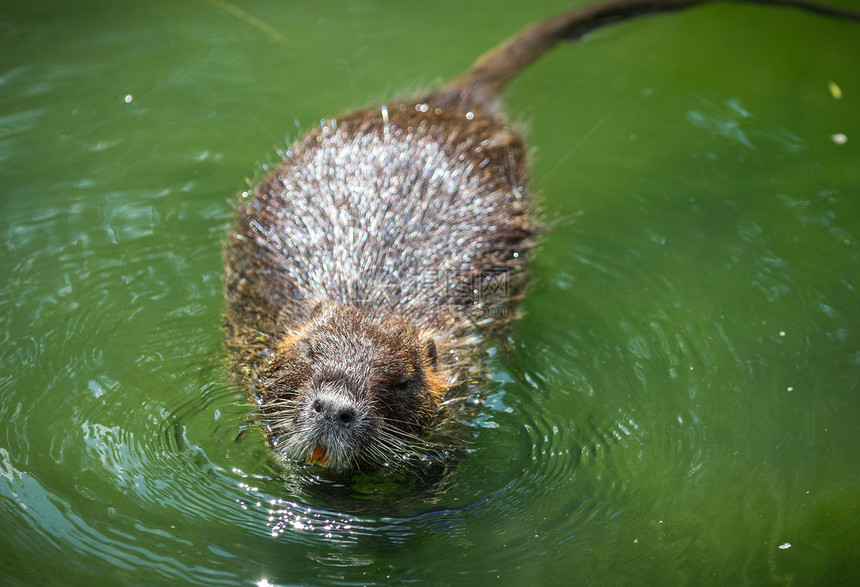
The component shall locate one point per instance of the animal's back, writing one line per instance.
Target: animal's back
(403, 209)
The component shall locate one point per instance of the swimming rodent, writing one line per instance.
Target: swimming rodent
(389, 243)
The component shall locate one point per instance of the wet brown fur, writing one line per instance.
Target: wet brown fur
(378, 328)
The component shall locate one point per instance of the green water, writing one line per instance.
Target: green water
(678, 405)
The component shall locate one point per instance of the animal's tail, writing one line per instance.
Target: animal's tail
(492, 71)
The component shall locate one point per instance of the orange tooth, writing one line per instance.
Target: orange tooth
(319, 456)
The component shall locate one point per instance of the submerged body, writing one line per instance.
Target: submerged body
(389, 243)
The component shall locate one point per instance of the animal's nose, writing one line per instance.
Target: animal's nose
(334, 408)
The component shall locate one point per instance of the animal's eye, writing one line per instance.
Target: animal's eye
(400, 385)
(310, 353)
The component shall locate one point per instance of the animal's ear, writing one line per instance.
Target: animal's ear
(430, 348)
(317, 309)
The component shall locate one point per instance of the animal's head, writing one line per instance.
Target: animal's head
(352, 390)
